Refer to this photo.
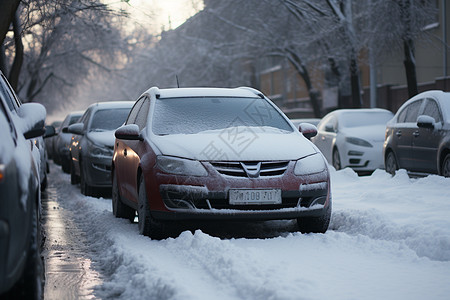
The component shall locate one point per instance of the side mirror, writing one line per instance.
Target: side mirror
(49, 131)
(129, 132)
(426, 122)
(65, 129)
(308, 130)
(36, 131)
(32, 117)
(76, 128)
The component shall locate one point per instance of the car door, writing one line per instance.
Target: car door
(403, 132)
(326, 135)
(76, 140)
(425, 141)
(127, 160)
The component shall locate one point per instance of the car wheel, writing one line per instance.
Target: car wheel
(74, 179)
(391, 163)
(85, 188)
(44, 182)
(336, 159)
(65, 166)
(315, 224)
(30, 285)
(147, 224)
(445, 169)
(120, 210)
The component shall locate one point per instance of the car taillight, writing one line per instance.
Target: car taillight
(2, 172)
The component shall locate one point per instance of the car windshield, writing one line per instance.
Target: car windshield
(194, 115)
(357, 119)
(108, 119)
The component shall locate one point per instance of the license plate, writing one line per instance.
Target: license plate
(254, 196)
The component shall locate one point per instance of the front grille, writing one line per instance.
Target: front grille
(251, 168)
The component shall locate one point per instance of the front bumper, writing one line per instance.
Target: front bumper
(98, 171)
(363, 158)
(207, 198)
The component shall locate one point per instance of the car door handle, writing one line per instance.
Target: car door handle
(124, 152)
(416, 133)
(398, 133)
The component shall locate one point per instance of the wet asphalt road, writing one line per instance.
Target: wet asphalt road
(68, 269)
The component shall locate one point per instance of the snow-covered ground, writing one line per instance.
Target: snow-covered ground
(389, 238)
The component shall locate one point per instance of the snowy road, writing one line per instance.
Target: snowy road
(389, 238)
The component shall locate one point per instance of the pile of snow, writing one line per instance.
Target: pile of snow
(389, 238)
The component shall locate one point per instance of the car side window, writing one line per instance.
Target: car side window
(9, 95)
(134, 111)
(141, 118)
(413, 111)
(323, 123)
(11, 126)
(85, 119)
(432, 109)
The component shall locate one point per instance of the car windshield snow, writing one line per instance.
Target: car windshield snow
(108, 119)
(194, 115)
(364, 119)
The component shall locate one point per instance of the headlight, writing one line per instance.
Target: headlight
(310, 165)
(96, 150)
(180, 166)
(357, 141)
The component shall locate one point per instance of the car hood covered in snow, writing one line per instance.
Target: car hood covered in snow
(374, 133)
(236, 144)
(105, 138)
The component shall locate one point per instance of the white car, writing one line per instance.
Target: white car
(353, 138)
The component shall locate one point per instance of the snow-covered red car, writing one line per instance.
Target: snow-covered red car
(216, 154)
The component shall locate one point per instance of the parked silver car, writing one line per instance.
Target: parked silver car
(21, 268)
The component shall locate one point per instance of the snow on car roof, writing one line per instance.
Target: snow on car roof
(359, 110)
(442, 97)
(113, 104)
(203, 92)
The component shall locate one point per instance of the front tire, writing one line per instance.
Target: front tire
(85, 188)
(390, 163)
(148, 226)
(445, 169)
(74, 179)
(120, 210)
(315, 224)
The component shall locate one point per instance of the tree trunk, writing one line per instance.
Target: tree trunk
(303, 72)
(410, 68)
(7, 10)
(18, 58)
(354, 80)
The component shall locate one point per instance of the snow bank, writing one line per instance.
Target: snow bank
(380, 246)
(402, 209)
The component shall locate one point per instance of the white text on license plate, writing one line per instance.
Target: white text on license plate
(254, 196)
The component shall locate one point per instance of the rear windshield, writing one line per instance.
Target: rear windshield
(108, 119)
(356, 119)
(194, 115)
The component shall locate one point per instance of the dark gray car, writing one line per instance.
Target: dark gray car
(92, 144)
(418, 137)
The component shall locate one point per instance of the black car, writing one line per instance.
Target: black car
(418, 137)
(92, 144)
(20, 263)
(62, 141)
